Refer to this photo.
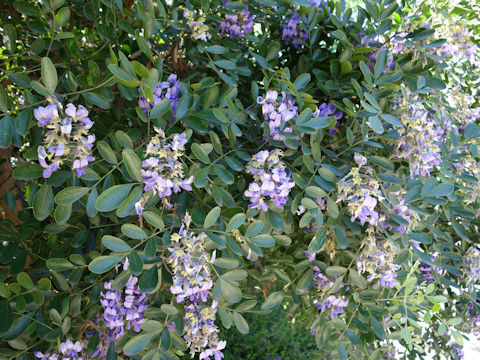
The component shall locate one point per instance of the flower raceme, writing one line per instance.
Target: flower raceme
(237, 25)
(295, 32)
(335, 303)
(163, 172)
(192, 283)
(377, 259)
(67, 137)
(199, 30)
(169, 89)
(270, 180)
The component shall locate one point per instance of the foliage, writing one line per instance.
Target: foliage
(179, 159)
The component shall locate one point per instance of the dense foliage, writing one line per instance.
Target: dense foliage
(176, 161)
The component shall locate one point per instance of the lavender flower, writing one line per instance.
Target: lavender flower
(238, 25)
(377, 258)
(198, 29)
(68, 349)
(471, 264)
(172, 93)
(420, 138)
(191, 285)
(123, 309)
(162, 170)
(335, 303)
(295, 32)
(270, 180)
(67, 138)
(362, 194)
(278, 113)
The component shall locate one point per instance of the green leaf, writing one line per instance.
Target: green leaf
(111, 354)
(230, 291)
(96, 99)
(154, 219)
(212, 217)
(216, 49)
(240, 323)
(254, 228)
(111, 198)
(442, 190)
(342, 352)
(201, 177)
(318, 241)
(127, 207)
(375, 124)
(356, 279)
(137, 344)
(377, 328)
(7, 128)
(273, 300)
(380, 63)
(133, 164)
(3, 100)
(263, 240)
(236, 221)
(24, 280)
(133, 231)
(149, 281)
(6, 314)
(106, 152)
(160, 109)
(200, 153)
(119, 73)
(59, 264)
(340, 237)
(102, 264)
(301, 81)
(135, 263)
(70, 195)
(115, 244)
(335, 270)
(43, 202)
(49, 75)
(169, 309)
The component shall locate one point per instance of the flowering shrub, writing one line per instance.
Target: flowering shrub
(177, 161)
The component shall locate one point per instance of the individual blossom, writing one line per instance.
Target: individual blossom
(163, 172)
(192, 284)
(471, 264)
(169, 89)
(67, 137)
(270, 180)
(237, 25)
(376, 258)
(295, 32)
(278, 113)
(198, 29)
(420, 138)
(361, 191)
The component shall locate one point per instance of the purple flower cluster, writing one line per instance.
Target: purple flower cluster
(420, 138)
(169, 89)
(295, 32)
(362, 193)
(458, 351)
(68, 350)
(162, 170)
(123, 309)
(238, 25)
(395, 45)
(278, 113)
(402, 210)
(67, 138)
(459, 43)
(335, 303)
(328, 110)
(197, 27)
(471, 264)
(377, 258)
(191, 285)
(270, 180)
